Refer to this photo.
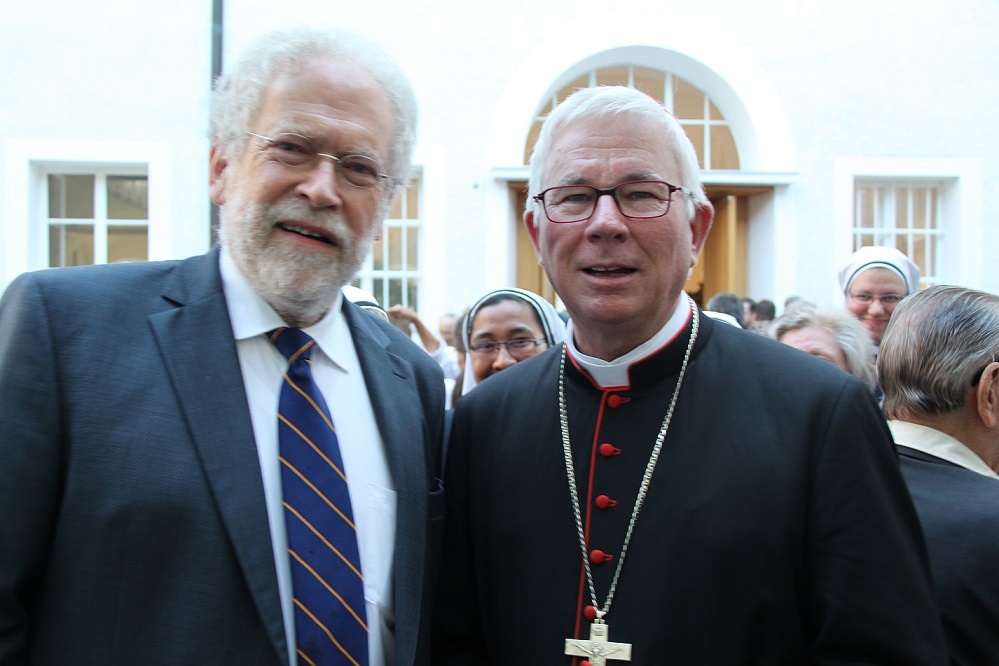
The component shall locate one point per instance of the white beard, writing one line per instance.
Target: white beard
(301, 286)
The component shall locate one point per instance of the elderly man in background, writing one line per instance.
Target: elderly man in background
(604, 507)
(221, 460)
(940, 376)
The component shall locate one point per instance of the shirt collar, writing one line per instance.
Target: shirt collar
(939, 444)
(251, 315)
(611, 374)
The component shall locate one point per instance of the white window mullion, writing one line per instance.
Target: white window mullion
(100, 219)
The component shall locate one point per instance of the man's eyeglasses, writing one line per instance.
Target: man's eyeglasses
(639, 199)
(888, 300)
(519, 348)
(300, 152)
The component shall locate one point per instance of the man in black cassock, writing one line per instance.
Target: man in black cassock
(664, 488)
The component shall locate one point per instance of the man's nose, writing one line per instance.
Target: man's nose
(607, 219)
(321, 185)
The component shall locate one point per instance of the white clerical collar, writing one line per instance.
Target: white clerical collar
(614, 374)
(251, 315)
(939, 444)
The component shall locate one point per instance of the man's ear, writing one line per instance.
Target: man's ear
(988, 396)
(217, 177)
(533, 232)
(700, 225)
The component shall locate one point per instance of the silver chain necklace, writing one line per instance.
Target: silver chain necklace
(595, 646)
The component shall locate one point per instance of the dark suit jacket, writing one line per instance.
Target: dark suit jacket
(132, 519)
(959, 510)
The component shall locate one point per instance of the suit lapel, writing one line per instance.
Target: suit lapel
(199, 351)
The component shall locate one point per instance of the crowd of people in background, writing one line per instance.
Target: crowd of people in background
(874, 280)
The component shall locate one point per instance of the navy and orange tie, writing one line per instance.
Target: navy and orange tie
(330, 619)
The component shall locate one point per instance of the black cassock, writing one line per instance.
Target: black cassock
(776, 530)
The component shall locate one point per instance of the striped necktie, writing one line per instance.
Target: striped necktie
(330, 619)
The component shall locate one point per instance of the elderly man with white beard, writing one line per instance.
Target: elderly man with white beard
(221, 460)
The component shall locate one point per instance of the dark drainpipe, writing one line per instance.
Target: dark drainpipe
(217, 7)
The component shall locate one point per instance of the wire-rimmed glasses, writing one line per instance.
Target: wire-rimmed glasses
(637, 199)
(301, 152)
(886, 300)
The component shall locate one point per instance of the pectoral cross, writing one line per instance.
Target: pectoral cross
(598, 649)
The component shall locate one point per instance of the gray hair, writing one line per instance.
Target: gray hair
(848, 332)
(239, 93)
(937, 343)
(609, 102)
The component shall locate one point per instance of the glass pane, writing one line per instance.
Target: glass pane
(128, 197)
(918, 252)
(378, 290)
(713, 111)
(574, 85)
(413, 201)
(863, 240)
(71, 245)
(723, 152)
(613, 76)
(652, 82)
(71, 196)
(865, 208)
(394, 249)
(688, 101)
(396, 211)
(127, 243)
(395, 292)
(378, 255)
(412, 249)
(412, 291)
(532, 138)
(901, 208)
(696, 135)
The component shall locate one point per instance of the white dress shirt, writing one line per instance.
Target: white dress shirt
(337, 372)
(932, 441)
(614, 374)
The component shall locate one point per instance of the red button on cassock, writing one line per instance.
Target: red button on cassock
(614, 401)
(605, 502)
(590, 612)
(598, 556)
(608, 450)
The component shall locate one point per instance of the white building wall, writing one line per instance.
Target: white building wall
(107, 82)
(823, 87)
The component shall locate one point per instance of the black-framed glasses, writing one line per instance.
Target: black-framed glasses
(637, 199)
(301, 152)
(519, 348)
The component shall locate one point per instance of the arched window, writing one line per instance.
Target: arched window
(707, 128)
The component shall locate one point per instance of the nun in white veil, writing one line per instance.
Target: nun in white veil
(548, 327)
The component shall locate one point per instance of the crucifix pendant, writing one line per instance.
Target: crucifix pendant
(598, 649)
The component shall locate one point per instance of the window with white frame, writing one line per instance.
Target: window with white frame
(392, 273)
(704, 124)
(96, 216)
(906, 214)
